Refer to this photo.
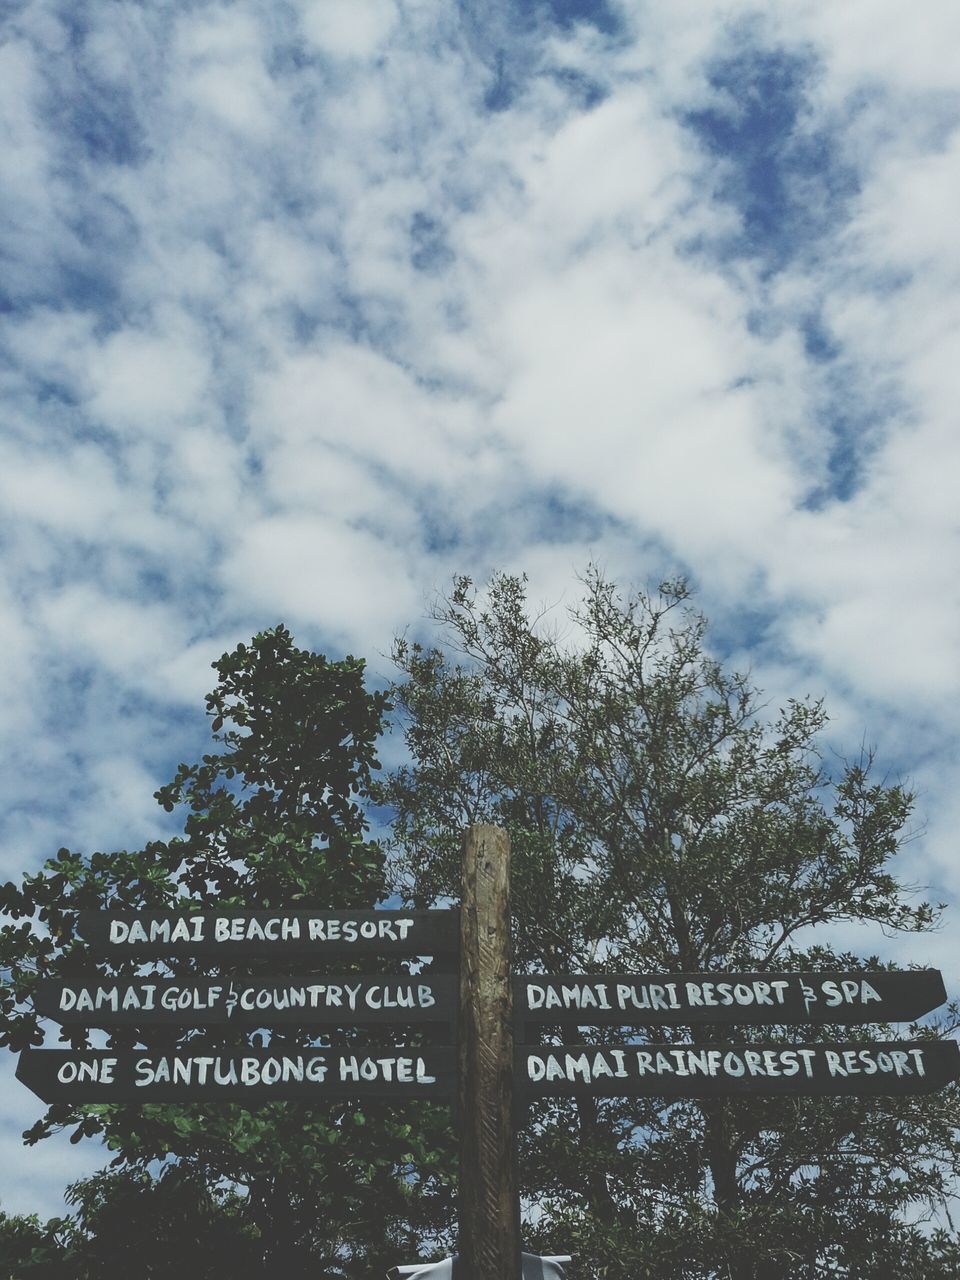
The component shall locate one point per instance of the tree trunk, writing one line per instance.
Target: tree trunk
(721, 1155)
(602, 1205)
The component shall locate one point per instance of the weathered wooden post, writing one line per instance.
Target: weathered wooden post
(489, 1202)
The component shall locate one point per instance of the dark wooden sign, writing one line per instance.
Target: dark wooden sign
(754, 998)
(62, 1075)
(717, 1070)
(250, 1002)
(249, 933)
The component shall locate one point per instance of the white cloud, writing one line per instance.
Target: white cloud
(223, 73)
(348, 28)
(44, 1171)
(130, 639)
(150, 381)
(878, 45)
(318, 571)
(905, 210)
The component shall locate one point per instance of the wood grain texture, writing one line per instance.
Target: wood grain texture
(489, 1202)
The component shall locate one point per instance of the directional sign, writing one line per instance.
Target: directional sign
(687, 998)
(248, 933)
(58, 1075)
(716, 1070)
(250, 1002)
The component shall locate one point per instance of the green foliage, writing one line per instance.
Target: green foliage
(31, 1250)
(661, 820)
(129, 1223)
(272, 818)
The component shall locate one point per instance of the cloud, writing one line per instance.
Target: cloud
(350, 29)
(48, 1168)
(146, 380)
(319, 571)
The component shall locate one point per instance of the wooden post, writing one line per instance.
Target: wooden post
(489, 1202)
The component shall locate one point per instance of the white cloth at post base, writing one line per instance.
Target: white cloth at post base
(534, 1268)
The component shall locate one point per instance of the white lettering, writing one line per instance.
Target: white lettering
(180, 931)
(618, 1056)
(228, 1076)
(316, 1070)
(771, 1062)
(352, 994)
(554, 1070)
(577, 1066)
(900, 1062)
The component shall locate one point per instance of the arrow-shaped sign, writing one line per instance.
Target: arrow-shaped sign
(682, 999)
(717, 1070)
(96, 1001)
(61, 1075)
(246, 933)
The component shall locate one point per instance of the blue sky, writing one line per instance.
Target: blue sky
(307, 306)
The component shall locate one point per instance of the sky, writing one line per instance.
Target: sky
(308, 305)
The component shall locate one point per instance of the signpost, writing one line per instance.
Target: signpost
(193, 1071)
(485, 1071)
(723, 1070)
(271, 933)
(212, 1075)
(489, 1199)
(248, 1002)
(684, 999)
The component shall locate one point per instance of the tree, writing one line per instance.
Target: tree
(273, 818)
(660, 820)
(31, 1250)
(193, 1230)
